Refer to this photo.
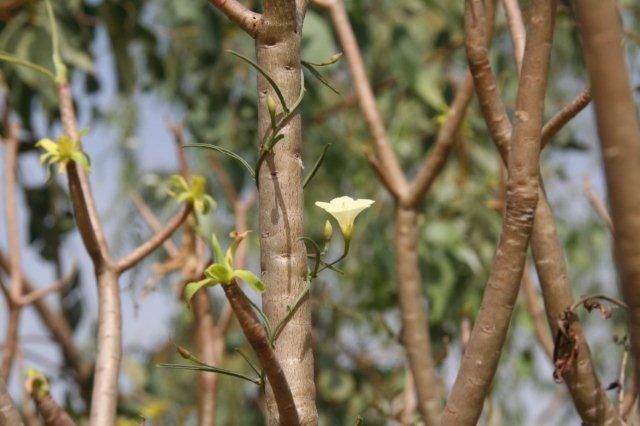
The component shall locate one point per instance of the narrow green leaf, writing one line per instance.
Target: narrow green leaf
(217, 249)
(316, 166)
(316, 249)
(320, 77)
(248, 360)
(332, 60)
(263, 156)
(266, 75)
(251, 279)
(61, 69)
(222, 151)
(8, 57)
(211, 369)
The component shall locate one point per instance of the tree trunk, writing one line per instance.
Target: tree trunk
(619, 132)
(415, 327)
(283, 256)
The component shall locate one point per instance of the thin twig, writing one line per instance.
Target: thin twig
(153, 222)
(566, 114)
(146, 248)
(597, 204)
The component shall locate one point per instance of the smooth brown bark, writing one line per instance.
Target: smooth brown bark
(583, 382)
(481, 357)
(259, 341)
(415, 327)
(619, 133)
(282, 253)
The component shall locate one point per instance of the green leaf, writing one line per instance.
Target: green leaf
(319, 76)
(192, 288)
(251, 279)
(211, 369)
(223, 151)
(217, 250)
(8, 57)
(316, 166)
(266, 75)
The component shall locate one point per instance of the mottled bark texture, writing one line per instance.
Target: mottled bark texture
(583, 382)
(619, 133)
(481, 357)
(283, 255)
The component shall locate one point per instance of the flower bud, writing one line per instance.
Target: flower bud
(271, 106)
(334, 58)
(328, 231)
(184, 353)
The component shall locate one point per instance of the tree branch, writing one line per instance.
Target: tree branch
(598, 205)
(537, 314)
(516, 29)
(250, 22)
(146, 248)
(259, 341)
(490, 329)
(11, 143)
(366, 98)
(582, 381)
(437, 157)
(566, 114)
(8, 411)
(58, 328)
(619, 133)
(153, 222)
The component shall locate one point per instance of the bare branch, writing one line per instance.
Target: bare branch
(367, 100)
(437, 157)
(566, 114)
(86, 213)
(153, 222)
(493, 108)
(619, 133)
(597, 204)
(583, 381)
(250, 22)
(146, 248)
(472, 383)
(537, 314)
(34, 295)
(517, 30)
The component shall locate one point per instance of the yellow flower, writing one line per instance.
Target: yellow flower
(195, 193)
(345, 210)
(61, 152)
